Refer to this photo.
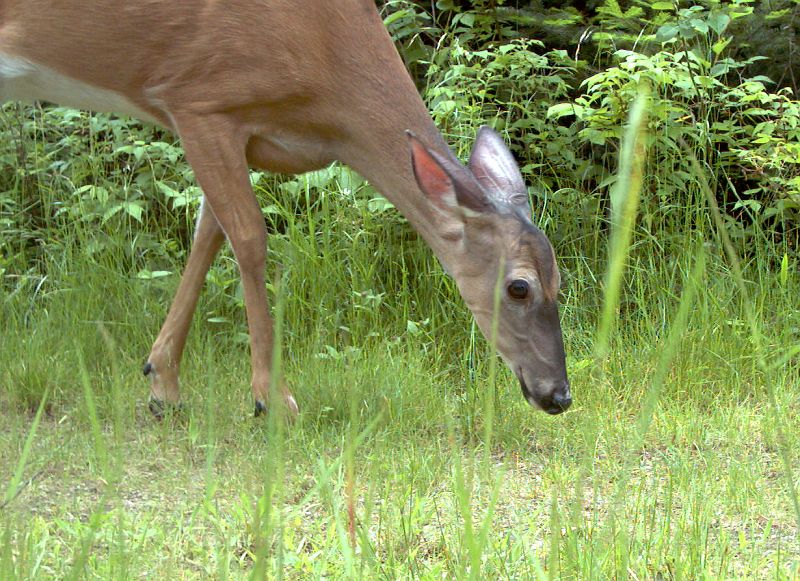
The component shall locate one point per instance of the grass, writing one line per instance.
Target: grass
(703, 493)
(413, 456)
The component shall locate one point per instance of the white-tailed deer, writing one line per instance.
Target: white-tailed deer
(290, 86)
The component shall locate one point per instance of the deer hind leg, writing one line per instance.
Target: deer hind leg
(163, 364)
(215, 147)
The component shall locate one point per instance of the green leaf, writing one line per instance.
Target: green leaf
(719, 22)
(379, 204)
(662, 6)
(108, 214)
(753, 205)
(272, 209)
(218, 320)
(465, 18)
(721, 45)
(564, 109)
(389, 20)
(719, 69)
(99, 193)
(757, 111)
(699, 25)
(666, 33)
(687, 30)
(785, 271)
(150, 275)
(134, 210)
(167, 190)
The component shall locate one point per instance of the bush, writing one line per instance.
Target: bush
(565, 122)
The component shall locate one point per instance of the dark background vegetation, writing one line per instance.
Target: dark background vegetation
(735, 95)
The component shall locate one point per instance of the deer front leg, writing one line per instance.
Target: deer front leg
(215, 147)
(163, 364)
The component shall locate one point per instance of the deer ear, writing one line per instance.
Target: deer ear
(442, 181)
(497, 171)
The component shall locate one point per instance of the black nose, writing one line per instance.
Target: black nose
(558, 402)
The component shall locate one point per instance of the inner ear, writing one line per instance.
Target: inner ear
(431, 177)
(447, 183)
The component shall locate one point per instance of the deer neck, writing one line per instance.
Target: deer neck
(383, 158)
(375, 143)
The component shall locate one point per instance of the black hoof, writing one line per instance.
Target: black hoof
(147, 369)
(261, 408)
(160, 408)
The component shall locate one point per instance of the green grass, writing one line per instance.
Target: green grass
(108, 492)
(115, 494)
(410, 458)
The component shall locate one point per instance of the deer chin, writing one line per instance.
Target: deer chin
(550, 397)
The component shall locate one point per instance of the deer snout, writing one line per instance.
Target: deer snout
(558, 401)
(551, 396)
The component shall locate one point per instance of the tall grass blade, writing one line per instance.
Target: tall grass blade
(624, 206)
(14, 485)
(100, 449)
(268, 516)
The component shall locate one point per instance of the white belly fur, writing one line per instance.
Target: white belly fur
(24, 80)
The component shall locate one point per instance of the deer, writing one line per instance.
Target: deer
(292, 86)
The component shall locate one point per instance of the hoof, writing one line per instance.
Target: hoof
(160, 408)
(291, 409)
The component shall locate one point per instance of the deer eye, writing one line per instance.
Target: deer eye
(518, 289)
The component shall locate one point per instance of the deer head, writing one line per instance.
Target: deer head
(483, 213)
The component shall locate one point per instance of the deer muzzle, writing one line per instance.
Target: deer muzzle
(551, 396)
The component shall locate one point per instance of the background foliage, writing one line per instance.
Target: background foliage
(722, 75)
